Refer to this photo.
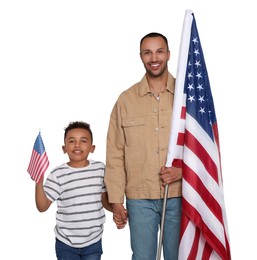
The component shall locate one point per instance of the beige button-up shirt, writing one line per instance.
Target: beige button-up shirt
(137, 143)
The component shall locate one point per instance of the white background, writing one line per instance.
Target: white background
(62, 61)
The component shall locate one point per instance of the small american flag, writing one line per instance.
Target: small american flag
(195, 141)
(38, 161)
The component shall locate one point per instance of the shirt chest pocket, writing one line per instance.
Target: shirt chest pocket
(134, 129)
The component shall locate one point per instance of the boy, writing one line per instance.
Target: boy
(79, 190)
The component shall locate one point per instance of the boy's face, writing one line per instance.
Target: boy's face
(78, 145)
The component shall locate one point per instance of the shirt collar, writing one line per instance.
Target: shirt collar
(144, 87)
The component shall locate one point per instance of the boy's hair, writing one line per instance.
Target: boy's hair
(155, 34)
(78, 124)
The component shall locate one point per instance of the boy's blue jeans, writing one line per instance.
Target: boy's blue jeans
(91, 252)
(144, 218)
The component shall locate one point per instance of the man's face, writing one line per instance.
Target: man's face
(155, 55)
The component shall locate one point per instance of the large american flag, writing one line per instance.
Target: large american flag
(39, 160)
(194, 140)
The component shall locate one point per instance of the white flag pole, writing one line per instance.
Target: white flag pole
(177, 105)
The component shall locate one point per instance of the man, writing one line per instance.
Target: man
(137, 144)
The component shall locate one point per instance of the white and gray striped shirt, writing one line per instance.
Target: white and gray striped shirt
(80, 215)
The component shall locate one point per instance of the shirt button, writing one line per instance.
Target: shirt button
(156, 129)
(155, 110)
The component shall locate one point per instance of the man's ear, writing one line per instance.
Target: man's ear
(64, 149)
(92, 149)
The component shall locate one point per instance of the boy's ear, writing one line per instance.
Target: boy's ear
(92, 149)
(63, 149)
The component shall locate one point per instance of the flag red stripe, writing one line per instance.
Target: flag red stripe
(194, 145)
(207, 250)
(181, 139)
(228, 247)
(216, 134)
(216, 138)
(183, 113)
